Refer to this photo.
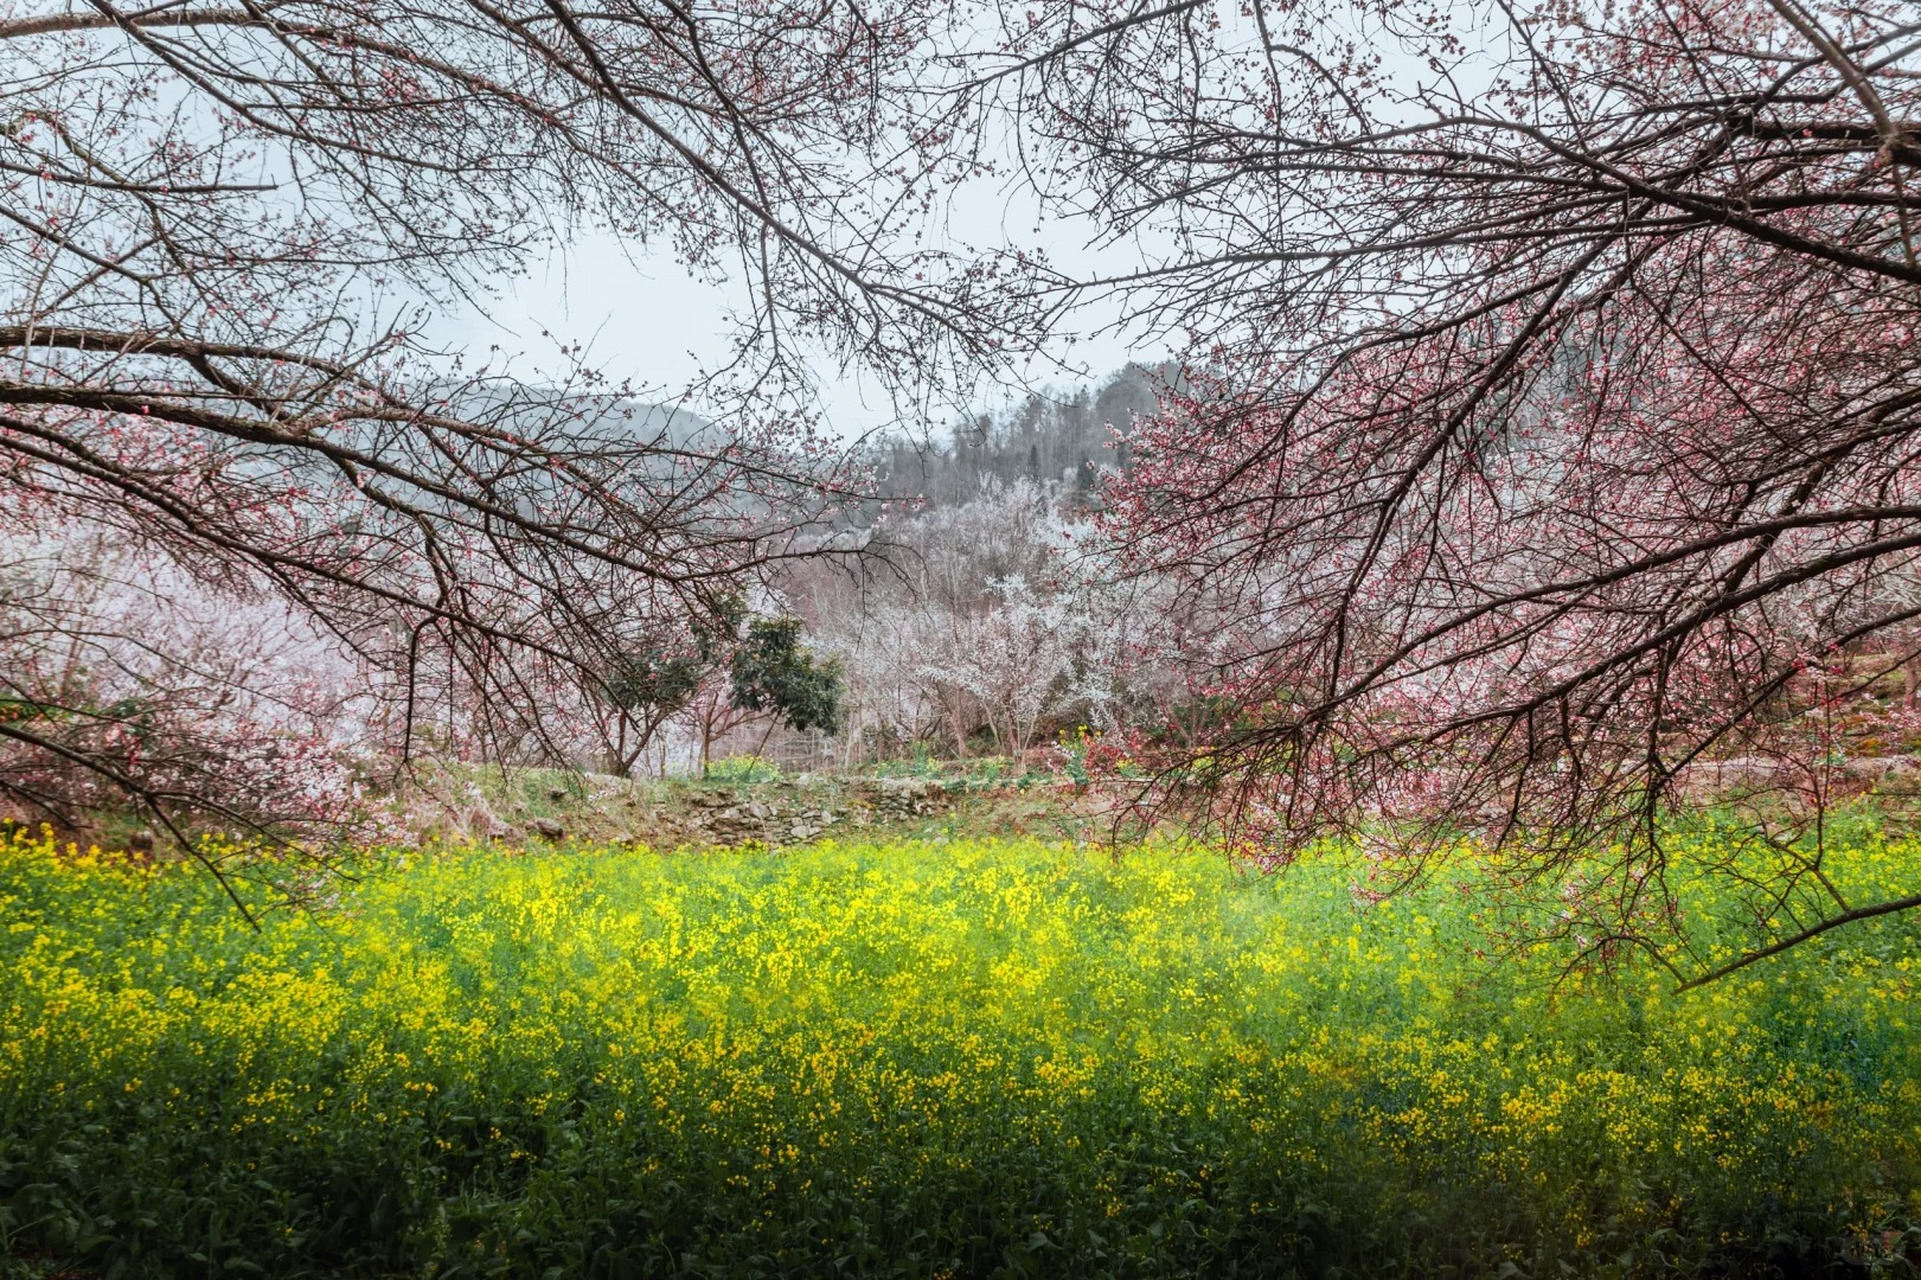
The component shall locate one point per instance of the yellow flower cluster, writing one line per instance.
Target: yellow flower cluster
(900, 1015)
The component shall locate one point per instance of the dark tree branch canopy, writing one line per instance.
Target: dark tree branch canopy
(1555, 405)
(204, 207)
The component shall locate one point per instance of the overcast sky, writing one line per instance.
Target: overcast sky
(641, 317)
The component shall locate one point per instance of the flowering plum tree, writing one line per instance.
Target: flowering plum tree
(135, 678)
(1556, 401)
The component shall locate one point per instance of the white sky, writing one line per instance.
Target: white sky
(641, 317)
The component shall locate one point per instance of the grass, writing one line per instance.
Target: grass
(960, 1058)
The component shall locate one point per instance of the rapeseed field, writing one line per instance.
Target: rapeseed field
(939, 1059)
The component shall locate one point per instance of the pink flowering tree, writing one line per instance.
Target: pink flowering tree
(1555, 404)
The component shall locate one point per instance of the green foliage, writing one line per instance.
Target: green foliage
(951, 1059)
(662, 679)
(21, 710)
(921, 762)
(739, 770)
(767, 666)
(664, 675)
(772, 671)
(128, 715)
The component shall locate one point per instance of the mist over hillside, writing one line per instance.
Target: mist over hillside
(1058, 441)
(604, 415)
(1061, 440)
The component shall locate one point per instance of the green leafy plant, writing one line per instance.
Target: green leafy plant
(770, 670)
(736, 770)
